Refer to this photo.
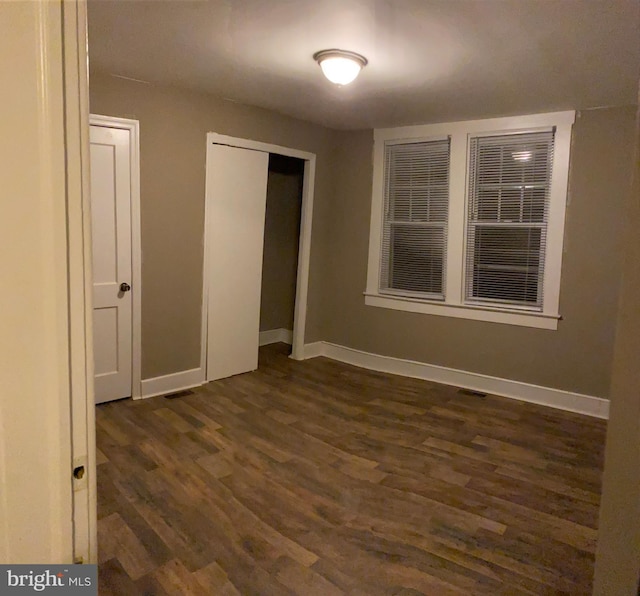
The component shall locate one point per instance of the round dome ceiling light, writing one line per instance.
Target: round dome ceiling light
(339, 66)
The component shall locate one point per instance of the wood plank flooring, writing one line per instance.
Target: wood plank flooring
(319, 478)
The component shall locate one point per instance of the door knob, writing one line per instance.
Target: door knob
(124, 287)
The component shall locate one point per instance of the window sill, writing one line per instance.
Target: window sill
(464, 311)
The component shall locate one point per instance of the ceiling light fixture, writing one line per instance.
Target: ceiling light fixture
(339, 66)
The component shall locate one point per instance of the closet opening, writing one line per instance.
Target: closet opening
(285, 181)
(258, 218)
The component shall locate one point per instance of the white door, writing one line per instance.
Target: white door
(237, 197)
(111, 232)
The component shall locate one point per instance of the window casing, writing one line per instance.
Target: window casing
(493, 249)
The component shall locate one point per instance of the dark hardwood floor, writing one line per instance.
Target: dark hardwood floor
(321, 478)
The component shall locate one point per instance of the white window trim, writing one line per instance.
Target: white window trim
(459, 133)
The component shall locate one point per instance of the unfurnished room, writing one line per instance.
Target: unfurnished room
(320, 298)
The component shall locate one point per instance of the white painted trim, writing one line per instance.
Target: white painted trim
(377, 217)
(186, 379)
(83, 441)
(557, 214)
(546, 396)
(464, 311)
(304, 258)
(460, 133)
(133, 126)
(219, 139)
(274, 336)
(304, 246)
(488, 125)
(454, 258)
(315, 349)
(206, 263)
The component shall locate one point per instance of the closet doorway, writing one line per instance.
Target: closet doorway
(280, 255)
(236, 197)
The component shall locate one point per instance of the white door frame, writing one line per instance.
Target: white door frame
(304, 244)
(79, 280)
(133, 126)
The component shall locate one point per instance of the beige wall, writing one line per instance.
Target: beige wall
(280, 257)
(173, 127)
(577, 357)
(618, 554)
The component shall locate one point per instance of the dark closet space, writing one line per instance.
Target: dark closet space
(280, 255)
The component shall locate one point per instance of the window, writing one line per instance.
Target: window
(468, 218)
(416, 202)
(509, 183)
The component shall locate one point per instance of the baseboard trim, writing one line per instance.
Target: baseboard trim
(274, 336)
(317, 348)
(546, 396)
(186, 379)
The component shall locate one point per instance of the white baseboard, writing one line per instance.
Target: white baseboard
(546, 396)
(186, 379)
(317, 348)
(274, 336)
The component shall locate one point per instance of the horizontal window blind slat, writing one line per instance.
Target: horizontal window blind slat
(508, 205)
(416, 207)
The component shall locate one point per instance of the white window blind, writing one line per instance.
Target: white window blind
(414, 230)
(508, 210)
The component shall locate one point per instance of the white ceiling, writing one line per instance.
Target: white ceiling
(429, 60)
